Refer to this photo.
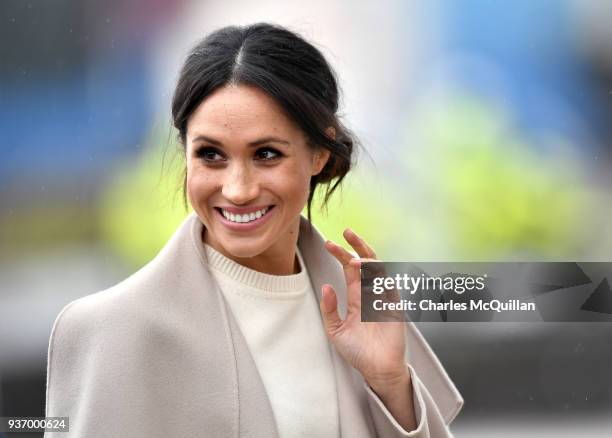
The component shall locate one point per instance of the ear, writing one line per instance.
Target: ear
(321, 155)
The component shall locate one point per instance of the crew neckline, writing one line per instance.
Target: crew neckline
(256, 279)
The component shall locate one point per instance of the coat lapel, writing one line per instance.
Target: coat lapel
(253, 414)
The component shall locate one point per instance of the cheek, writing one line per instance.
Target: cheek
(199, 185)
(294, 182)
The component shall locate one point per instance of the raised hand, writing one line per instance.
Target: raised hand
(375, 349)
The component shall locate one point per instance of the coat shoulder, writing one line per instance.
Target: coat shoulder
(91, 309)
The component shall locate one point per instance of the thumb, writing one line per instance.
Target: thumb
(329, 309)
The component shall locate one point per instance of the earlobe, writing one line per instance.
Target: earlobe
(321, 155)
(320, 160)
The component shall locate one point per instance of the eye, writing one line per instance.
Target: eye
(268, 154)
(209, 154)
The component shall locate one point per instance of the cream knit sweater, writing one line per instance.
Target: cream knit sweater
(279, 317)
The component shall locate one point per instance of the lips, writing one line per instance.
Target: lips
(243, 210)
(244, 222)
(245, 217)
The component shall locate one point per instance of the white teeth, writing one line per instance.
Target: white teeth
(243, 218)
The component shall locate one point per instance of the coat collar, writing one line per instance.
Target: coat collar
(249, 411)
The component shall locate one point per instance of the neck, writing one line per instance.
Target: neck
(279, 259)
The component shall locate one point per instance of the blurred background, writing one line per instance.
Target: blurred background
(486, 129)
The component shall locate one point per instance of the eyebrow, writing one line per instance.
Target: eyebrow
(268, 139)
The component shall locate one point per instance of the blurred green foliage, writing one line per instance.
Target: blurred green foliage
(500, 195)
(469, 187)
(141, 207)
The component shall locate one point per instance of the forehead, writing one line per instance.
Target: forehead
(240, 113)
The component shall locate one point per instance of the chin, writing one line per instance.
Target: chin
(243, 250)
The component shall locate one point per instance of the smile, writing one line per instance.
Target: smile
(244, 221)
(244, 218)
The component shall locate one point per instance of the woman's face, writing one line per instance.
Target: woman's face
(248, 171)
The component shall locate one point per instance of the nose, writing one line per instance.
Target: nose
(240, 186)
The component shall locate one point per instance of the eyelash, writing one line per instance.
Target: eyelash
(203, 152)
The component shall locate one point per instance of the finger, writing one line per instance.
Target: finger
(352, 276)
(329, 310)
(363, 249)
(343, 256)
(357, 262)
(351, 273)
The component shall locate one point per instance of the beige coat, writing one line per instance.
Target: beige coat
(160, 355)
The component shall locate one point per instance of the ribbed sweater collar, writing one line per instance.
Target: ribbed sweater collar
(256, 279)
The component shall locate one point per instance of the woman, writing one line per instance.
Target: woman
(247, 323)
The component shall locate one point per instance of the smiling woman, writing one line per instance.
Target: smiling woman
(248, 322)
(245, 156)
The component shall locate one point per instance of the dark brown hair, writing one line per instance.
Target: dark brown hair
(289, 69)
